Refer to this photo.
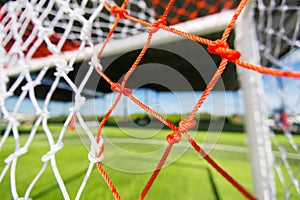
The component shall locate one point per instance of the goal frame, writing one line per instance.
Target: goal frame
(256, 127)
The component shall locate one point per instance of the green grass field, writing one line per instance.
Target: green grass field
(129, 162)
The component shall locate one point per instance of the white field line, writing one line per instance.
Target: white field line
(219, 147)
(181, 144)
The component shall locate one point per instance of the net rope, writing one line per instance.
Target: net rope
(30, 27)
(191, 9)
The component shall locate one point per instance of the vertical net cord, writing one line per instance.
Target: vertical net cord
(294, 182)
(103, 121)
(91, 153)
(13, 158)
(11, 161)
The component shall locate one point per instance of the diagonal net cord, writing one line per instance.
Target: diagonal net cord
(219, 47)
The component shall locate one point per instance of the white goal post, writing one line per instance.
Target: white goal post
(259, 144)
(272, 27)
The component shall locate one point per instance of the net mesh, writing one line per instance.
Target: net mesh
(191, 9)
(278, 36)
(39, 29)
(34, 29)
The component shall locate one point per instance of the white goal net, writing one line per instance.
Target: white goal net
(35, 37)
(278, 24)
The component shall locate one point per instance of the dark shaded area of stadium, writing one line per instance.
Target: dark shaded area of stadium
(178, 66)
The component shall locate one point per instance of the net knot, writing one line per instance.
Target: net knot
(43, 113)
(44, 32)
(53, 151)
(95, 159)
(16, 154)
(12, 120)
(155, 26)
(96, 153)
(95, 63)
(116, 10)
(221, 48)
(174, 137)
(186, 124)
(62, 68)
(116, 87)
(79, 102)
(86, 31)
(30, 85)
